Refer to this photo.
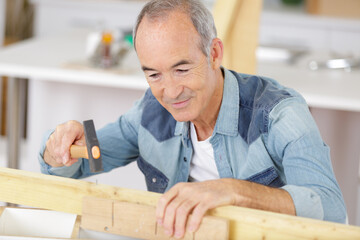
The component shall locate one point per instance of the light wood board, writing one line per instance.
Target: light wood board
(66, 195)
(237, 23)
(139, 221)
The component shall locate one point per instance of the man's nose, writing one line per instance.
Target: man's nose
(172, 88)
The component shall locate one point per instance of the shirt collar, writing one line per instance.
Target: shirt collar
(227, 120)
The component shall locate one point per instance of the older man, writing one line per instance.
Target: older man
(205, 135)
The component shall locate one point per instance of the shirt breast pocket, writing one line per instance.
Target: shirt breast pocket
(155, 180)
(268, 177)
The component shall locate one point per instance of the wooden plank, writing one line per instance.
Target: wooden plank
(61, 194)
(139, 221)
(76, 229)
(237, 24)
(98, 214)
(1, 210)
(240, 47)
(224, 22)
(66, 195)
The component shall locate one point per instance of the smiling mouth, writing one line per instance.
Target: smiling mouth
(181, 104)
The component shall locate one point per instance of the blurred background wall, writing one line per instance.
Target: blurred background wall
(17, 25)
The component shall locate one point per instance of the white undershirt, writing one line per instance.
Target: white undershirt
(202, 166)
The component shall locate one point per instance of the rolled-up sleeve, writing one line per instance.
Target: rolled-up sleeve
(294, 140)
(118, 144)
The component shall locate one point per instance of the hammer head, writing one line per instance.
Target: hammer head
(93, 147)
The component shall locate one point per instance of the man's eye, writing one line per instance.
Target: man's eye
(154, 76)
(182, 70)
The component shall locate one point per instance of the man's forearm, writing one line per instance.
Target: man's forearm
(254, 195)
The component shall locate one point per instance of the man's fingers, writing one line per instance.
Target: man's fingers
(66, 140)
(80, 142)
(71, 161)
(169, 217)
(196, 217)
(181, 217)
(59, 142)
(163, 202)
(175, 206)
(53, 151)
(66, 143)
(160, 210)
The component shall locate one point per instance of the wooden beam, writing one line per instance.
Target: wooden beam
(76, 230)
(225, 22)
(1, 210)
(66, 195)
(139, 221)
(237, 23)
(61, 194)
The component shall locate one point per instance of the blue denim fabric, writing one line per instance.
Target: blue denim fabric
(264, 133)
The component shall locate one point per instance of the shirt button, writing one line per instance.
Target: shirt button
(185, 159)
(154, 180)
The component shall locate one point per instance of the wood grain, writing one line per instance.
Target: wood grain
(139, 221)
(66, 195)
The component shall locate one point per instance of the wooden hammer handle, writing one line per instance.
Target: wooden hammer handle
(78, 152)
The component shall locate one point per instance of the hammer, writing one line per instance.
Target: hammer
(92, 149)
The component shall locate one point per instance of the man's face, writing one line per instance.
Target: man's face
(178, 72)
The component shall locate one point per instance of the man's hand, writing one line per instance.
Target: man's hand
(57, 152)
(175, 205)
(197, 198)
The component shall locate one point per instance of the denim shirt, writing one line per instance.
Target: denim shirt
(264, 133)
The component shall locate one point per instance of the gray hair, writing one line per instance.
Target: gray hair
(198, 13)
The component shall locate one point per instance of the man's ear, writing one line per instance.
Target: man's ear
(216, 53)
